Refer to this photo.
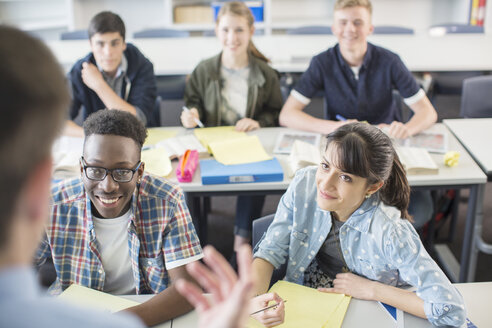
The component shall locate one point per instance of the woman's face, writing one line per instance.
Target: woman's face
(338, 191)
(234, 34)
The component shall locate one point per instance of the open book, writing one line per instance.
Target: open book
(176, 146)
(434, 142)
(417, 160)
(302, 154)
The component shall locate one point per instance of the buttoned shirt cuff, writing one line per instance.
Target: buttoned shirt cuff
(178, 263)
(415, 98)
(298, 96)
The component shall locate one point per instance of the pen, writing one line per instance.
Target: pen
(266, 308)
(197, 121)
(340, 117)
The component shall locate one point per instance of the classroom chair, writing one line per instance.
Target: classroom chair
(476, 101)
(75, 35)
(260, 226)
(392, 29)
(310, 29)
(170, 88)
(160, 33)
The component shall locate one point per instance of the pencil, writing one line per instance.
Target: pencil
(266, 308)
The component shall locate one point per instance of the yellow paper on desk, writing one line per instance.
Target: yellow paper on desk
(154, 135)
(307, 307)
(239, 151)
(157, 161)
(88, 297)
(220, 133)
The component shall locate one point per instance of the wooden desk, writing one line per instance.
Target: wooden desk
(476, 296)
(292, 53)
(475, 135)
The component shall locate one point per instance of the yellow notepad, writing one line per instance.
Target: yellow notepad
(154, 135)
(220, 133)
(157, 161)
(307, 307)
(243, 150)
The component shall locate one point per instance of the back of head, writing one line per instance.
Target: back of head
(106, 22)
(34, 99)
(115, 122)
(238, 8)
(365, 151)
(342, 4)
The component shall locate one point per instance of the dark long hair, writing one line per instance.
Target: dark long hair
(365, 151)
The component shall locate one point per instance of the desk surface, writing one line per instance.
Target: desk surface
(292, 53)
(476, 296)
(475, 135)
(467, 172)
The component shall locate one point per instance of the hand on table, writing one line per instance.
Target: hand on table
(352, 285)
(395, 130)
(247, 124)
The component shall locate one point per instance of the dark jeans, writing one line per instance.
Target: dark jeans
(248, 208)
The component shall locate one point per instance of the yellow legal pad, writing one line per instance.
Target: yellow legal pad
(157, 161)
(88, 297)
(307, 307)
(220, 133)
(243, 150)
(154, 135)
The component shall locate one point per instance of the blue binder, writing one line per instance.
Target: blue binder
(214, 172)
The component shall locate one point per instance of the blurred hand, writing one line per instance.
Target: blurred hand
(91, 76)
(395, 130)
(188, 118)
(229, 308)
(352, 285)
(247, 124)
(271, 317)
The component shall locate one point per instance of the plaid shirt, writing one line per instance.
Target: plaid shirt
(161, 236)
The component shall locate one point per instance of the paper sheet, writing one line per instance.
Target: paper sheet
(220, 133)
(307, 307)
(88, 297)
(239, 151)
(154, 135)
(157, 161)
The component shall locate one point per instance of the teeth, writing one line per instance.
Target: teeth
(108, 201)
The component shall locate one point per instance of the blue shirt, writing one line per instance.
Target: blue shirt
(21, 306)
(376, 243)
(368, 98)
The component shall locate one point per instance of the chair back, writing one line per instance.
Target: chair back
(391, 29)
(160, 33)
(310, 29)
(260, 226)
(75, 35)
(476, 99)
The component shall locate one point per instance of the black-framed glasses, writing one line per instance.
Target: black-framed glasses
(98, 173)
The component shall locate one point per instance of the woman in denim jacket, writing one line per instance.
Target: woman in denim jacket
(343, 227)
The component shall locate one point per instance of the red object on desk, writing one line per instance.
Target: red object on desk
(187, 166)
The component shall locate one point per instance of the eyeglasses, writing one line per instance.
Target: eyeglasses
(97, 173)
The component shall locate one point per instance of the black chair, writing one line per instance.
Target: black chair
(476, 101)
(260, 226)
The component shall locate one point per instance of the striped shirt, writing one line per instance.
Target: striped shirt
(161, 236)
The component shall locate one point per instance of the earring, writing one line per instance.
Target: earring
(367, 196)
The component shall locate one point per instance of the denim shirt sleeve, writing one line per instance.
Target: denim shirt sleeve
(274, 245)
(443, 304)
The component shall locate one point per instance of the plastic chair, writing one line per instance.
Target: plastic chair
(390, 29)
(310, 29)
(260, 226)
(475, 99)
(161, 33)
(75, 35)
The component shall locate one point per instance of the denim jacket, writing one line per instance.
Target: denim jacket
(376, 243)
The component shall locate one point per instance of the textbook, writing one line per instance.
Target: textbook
(417, 160)
(302, 154)
(285, 141)
(177, 146)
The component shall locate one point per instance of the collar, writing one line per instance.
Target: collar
(122, 68)
(361, 219)
(365, 61)
(18, 282)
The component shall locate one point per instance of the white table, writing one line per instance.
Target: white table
(475, 134)
(292, 53)
(476, 295)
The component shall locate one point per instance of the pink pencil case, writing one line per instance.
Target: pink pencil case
(187, 166)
